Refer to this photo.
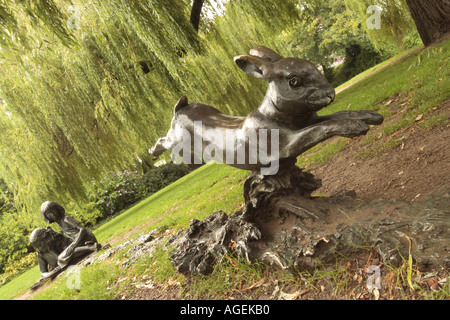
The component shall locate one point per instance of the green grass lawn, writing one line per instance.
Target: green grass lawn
(20, 284)
(197, 195)
(423, 77)
(376, 68)
(211, 188)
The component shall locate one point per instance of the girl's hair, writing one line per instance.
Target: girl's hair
(47, 240)
(51, 206)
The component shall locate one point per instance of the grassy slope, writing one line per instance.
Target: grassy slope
(196, 195)
(423, 76)
(206, 190)
(375, 69)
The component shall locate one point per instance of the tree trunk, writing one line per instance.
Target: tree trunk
(195, 13)
(432, 18)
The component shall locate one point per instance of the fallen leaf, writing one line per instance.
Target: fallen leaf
(376, 294)
(173, 283)
(433, 284)
(419, 117)
(255, 285)
(143, 285)
(292, 296)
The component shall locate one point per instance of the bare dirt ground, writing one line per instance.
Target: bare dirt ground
(415, 168)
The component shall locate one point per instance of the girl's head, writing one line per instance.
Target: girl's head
(47, 240)
(52, 211)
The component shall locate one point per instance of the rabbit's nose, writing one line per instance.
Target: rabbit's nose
(331, 94)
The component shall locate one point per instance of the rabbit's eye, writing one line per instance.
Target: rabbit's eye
(295, 81)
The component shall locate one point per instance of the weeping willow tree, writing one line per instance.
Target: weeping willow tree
(70, 111)
(87, 87)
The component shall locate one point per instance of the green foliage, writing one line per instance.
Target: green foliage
(76, 103)
(323, 31)
(19, 284)
(15, 256)
(412, 40)
(328, 30)
(160, 177)
(17, 266)
(14, 244)
(46, 17)
(358, 59)
(6, 198)
(88, 213)
(395, 23)
(118, 191)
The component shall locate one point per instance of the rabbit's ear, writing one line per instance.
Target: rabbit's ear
(254, 66)
(265, 53)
